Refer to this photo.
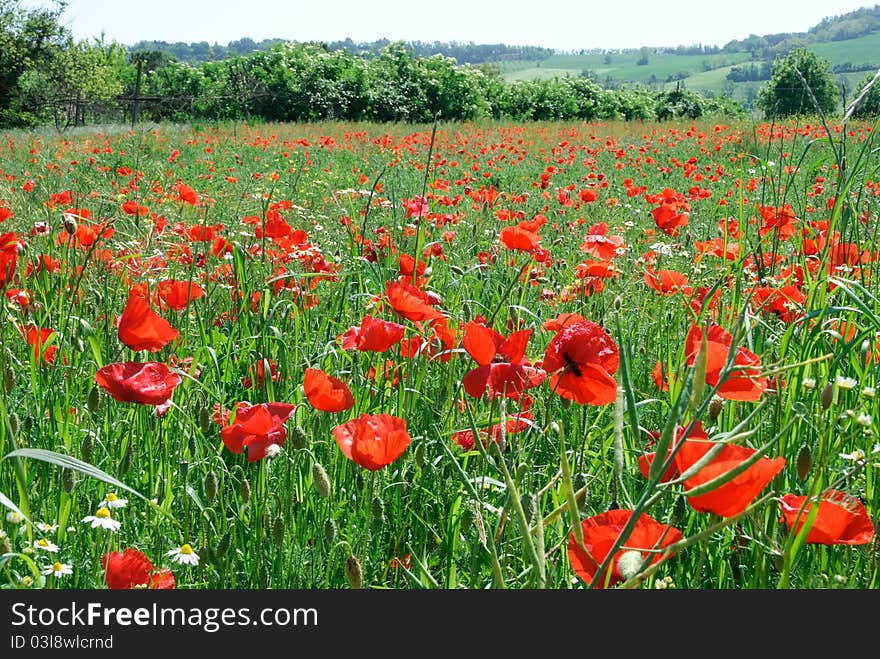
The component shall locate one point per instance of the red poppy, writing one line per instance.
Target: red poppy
(502, 369)
(667, 282)
(8, 257)
(786, 302)
(326, 393)
(600, 245)
(582, 358)
(186, 194)
(140, 328)
(671, 473)
(5, 213)
(38, 337)
(781, 220)
(601, 532)
(410, 302)
(840, 520)
(256, 373)
(131, 207)
(148, 383)
(130, 569)
(735, 495)
(562, 320)
(174, 294)
(373, 335)
(672, 211)
(256, 426)
(519, 239)
(743, 381)
(372, 440)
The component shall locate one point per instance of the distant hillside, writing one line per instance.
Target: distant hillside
(850, 42)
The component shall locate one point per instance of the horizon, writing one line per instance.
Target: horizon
(679, 20)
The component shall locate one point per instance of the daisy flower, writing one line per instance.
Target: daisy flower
(59, 569)
(112, 501)
(45, 545)
(184, 554)
(102, 518)
(46, 528)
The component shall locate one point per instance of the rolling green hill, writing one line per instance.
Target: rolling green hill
(850, 59)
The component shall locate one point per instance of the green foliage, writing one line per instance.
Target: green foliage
(787, 94)
(869, 106)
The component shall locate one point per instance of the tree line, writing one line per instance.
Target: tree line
(47, 77)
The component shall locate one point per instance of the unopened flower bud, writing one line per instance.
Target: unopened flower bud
(321, 479)
(827, 396)
(330, 530)
(210, 485)
(803, 462)
(9, 379)
(629, 564)
(68, 480)
(245, 490)
(94, 399)
(204, 419)
(354, 572)
(298, 438)
(715, 407)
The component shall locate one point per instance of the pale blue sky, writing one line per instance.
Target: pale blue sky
(560, 24)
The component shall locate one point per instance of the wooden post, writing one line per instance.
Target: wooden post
(137, 93)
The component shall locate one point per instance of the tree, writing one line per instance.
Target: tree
(868, 105)
(29, 38)
(786, 94)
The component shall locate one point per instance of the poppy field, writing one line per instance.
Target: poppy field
(449, 356)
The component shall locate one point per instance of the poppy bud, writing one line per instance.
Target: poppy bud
(617, 303)
(298, 438)
(278, 529)
(184, 469)
(377, 510)
(715, 407)
(827, 396)
(9, 379)
(13, 423)
(68, 480)
(467, 517)
(629, 564)
(522, 472)
(69, 223)
(803, 462)
(321, 479)
(5, 543)
(86, 448)
(94, 399)
(245, 490)
(330, 530)
(354, 572)
(210, 486)
(204, 419)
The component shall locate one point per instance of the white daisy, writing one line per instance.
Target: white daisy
(102, 518)
(184, 554)
(46, 528)
(59, 569)
(45, 545)
(112, 501)
(14, 517)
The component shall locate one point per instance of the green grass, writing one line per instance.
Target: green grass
(440, 515)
